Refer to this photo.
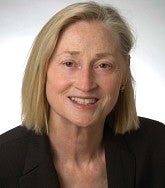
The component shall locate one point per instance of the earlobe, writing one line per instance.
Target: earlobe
(122, 88)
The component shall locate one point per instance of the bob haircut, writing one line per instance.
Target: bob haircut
(35, 107)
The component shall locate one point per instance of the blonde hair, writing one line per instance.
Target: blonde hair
(35, 107)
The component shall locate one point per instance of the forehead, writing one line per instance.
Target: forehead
(83, 34)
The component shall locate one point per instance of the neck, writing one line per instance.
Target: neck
(74, 144)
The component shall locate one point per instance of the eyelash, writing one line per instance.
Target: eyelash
(104, 65)
(99, 66)
(67, 63)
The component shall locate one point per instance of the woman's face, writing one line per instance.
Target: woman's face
(85, 75)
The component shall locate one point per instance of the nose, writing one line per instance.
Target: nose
(85, 80)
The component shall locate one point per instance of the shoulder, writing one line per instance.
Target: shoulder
(148, 140)
(13, 134)
(149, 129)
(147, 144)
(13, 147)
(151, 125)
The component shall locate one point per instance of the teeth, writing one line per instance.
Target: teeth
(83, 101)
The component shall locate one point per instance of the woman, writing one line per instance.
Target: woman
(80, 127)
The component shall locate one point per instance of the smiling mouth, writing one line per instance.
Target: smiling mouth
(84, 101)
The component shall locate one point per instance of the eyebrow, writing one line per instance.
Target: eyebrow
(73, 53)
(97, 55)
(104, 54)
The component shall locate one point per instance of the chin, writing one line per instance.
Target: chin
(85, 122)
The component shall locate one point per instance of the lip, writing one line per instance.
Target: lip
(84, 97)
(84, 106)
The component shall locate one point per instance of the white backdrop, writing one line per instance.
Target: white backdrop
(21, 20)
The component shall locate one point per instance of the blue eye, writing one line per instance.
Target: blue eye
(69, 64)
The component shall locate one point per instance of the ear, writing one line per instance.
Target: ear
(128, 60)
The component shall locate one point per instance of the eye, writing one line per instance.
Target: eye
(104, 66)
(68, 64)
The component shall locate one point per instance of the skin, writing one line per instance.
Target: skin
(86, 64)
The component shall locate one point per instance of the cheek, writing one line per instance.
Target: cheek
(111, 95)
(54, 90)
(111, 85)
(56, 83)
(54, 87)
(111, 88)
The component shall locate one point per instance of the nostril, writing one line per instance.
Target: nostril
(85, 80)
(85, 85)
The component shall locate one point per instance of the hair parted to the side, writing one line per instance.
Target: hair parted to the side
(35, 108)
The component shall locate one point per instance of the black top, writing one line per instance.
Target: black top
(133, 160)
